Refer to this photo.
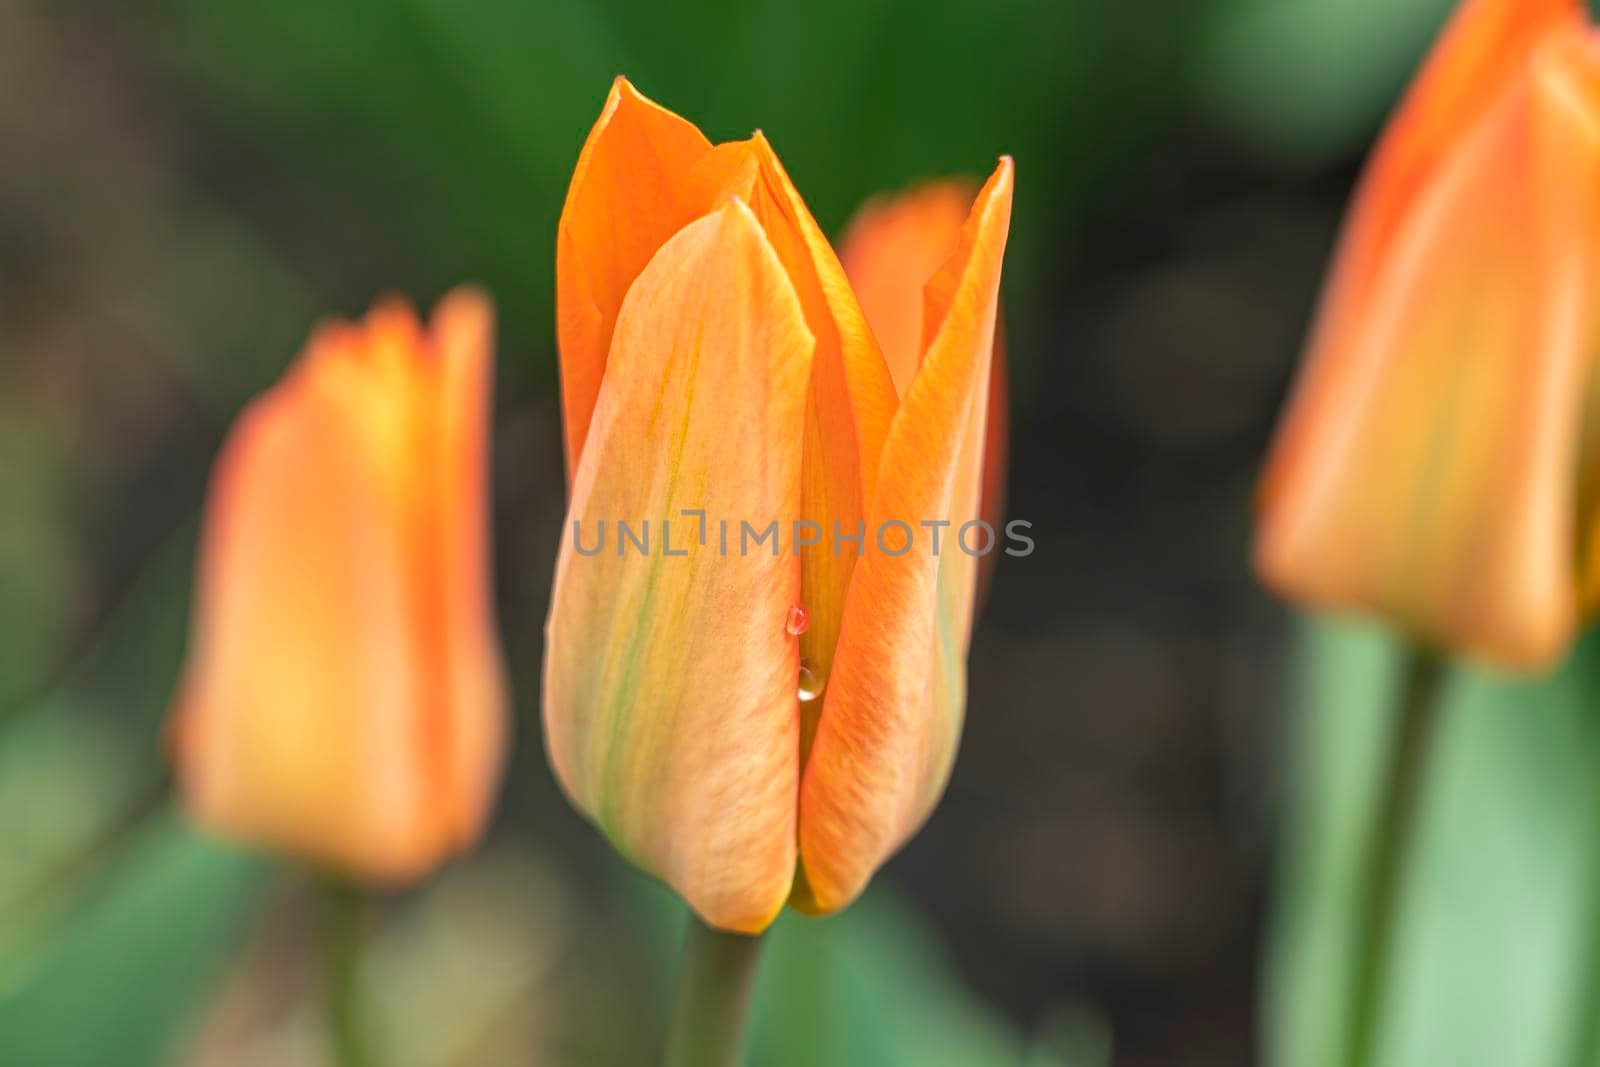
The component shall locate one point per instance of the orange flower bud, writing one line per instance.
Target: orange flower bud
(718, 374)
(343, 696)
(1429, 466)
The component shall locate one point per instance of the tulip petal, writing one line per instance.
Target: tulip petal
(342, 699)
(852, 397)
(1480, 52)
(1429, 474)
(890, 251)
(892, 710)
(670, 706)
(471, 745)
(630, 192)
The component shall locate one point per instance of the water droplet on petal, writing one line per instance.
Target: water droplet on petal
(810, 684)
(799, 621)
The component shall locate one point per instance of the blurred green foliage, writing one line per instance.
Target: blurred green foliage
(35, 557)
(122, 980)
(1496, 954)
(1311, 77)
(442, 135)
(80, 765)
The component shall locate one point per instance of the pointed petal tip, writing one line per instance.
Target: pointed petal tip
(623, 91)
(468, 293)
(765, 154)
(1000, 182)
(739, 223)
(463, 323)
(624, 95)
(389, 308)
(468, 304)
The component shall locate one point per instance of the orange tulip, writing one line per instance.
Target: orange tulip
(1432, 466)
(343, 697)
(718, 369)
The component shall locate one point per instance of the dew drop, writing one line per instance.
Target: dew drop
(810, 684)
(798, 622)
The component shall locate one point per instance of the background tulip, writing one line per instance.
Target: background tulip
(715, 358)
(343, 698)
(1428, 469)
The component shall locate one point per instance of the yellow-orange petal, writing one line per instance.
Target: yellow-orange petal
(1481, 51)
(890, 251)
(1484, 49)
(670, 707)
(630, 192)
(343, 694)
(852, 397)
(893, 707)
(1428, 470)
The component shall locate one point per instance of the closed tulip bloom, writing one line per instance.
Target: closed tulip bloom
(1433, 467)
(343, 696)
(754, 726)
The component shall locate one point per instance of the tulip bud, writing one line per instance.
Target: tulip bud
(1428, 468)
(343, 696)
(719, 375)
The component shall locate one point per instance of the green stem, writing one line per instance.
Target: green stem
(344, 936)
(1586, 1040)
(708, 1018)
(1396, 814)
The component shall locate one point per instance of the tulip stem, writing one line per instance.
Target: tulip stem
(713, 999)
(1394, 819)
(346, 922)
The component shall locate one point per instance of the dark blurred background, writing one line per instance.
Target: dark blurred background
(187, 186)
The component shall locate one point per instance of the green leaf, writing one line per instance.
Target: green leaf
(120, 980)
(1343, 701)
(81, 763)
(1494, 941)
(1494, 952)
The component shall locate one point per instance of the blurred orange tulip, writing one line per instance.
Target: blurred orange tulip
(343, 697)
(1433, 466)
(715, 363)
